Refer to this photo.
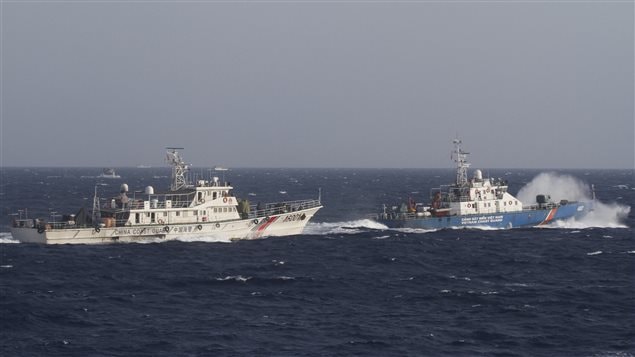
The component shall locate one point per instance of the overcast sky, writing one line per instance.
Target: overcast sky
(318, 84)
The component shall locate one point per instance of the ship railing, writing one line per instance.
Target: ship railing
(270, 209)
(537, 206)
(158, 204)
(396, 215)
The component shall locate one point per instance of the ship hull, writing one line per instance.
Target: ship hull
(291, 223)
(501, 220)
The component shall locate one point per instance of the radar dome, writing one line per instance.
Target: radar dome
(149, 190)
(478, 175)
(124, 187)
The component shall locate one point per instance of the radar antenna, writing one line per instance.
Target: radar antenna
(460, 157)
(179, 167)
(96, 215)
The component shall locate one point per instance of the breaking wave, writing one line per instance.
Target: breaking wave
(566, 187)
(559, 187)
(6, 237)
(604, 215)
(346, 227)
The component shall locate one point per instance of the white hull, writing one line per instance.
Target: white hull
(290, 223)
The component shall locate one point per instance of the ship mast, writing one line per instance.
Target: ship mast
(96, 216)
(179, 167)
(460, 157)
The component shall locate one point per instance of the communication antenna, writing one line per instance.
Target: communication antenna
(96, 210)
(221, 169)
(179, 168)
(460, 157)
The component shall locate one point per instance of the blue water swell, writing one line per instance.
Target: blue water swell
(347, 287)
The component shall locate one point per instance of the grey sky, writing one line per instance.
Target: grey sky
(318, 84)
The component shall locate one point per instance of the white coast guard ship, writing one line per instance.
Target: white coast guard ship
(478, 202)
(206, 208)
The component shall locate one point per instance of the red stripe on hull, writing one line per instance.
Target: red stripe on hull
(550, 216)
(265, 225)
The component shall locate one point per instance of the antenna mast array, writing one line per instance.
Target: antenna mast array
(179, 167)
(96, 214)
(460, 157)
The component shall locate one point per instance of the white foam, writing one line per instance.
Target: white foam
(346, 227)
(566, 187)
(239, 278)
(558, 186)
(6, 237)
(595, 253)
(194, 238)
(604, 215)
(414, 230)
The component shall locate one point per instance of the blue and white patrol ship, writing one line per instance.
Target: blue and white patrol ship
(478, 202)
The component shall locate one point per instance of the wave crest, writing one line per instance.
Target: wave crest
(346, 227)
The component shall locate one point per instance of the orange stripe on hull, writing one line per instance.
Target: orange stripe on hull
(550, 216)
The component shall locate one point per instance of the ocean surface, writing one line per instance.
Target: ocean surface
(347, 287)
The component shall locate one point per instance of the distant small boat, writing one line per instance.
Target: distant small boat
(109, 174)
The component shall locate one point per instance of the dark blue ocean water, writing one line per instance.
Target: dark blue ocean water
(345, 288)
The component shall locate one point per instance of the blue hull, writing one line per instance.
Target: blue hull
(525, 218)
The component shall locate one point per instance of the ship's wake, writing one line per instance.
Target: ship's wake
(356, 227)
(345, 227)
(6, 237)
(566, 187)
